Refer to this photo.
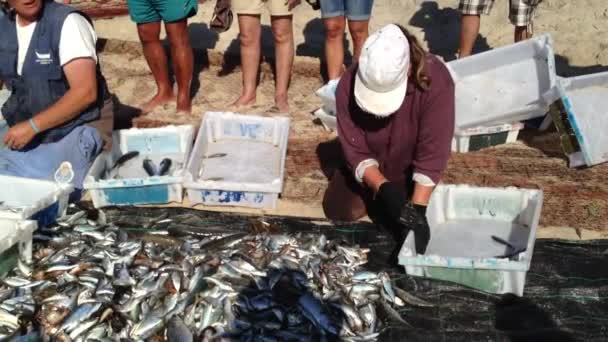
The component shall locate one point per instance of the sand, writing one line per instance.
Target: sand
(576, 201)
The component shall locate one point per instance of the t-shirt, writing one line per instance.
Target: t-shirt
(417, 137)
(78, 40)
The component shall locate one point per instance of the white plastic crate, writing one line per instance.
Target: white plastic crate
(330, 122)
(473, 139)
(507, 84)
(32, 199)
(136, 187)
(15, 242)
(463, 220)
(251, 164)
(585, 100)
(327, 113)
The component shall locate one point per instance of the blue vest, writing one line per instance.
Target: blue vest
(42, 81)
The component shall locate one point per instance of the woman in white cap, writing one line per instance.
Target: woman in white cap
(395, 112)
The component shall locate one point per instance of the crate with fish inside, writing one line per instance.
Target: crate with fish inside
(145, 167)
(480, 237)
(580, 116)
(238, 160)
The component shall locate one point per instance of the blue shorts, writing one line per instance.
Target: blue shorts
(79, 147)
(151, 11)
(352, 9)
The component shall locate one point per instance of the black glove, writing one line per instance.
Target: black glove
(392, 196)
(413, 217)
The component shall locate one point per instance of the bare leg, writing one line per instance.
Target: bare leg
(468, 34)
(149, 34)
(249, 36)
(359, 31)
(521, 33)
(334, 45)
(183, 62)
(282, 32)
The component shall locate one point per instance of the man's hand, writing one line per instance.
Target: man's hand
(291, 4)
(19, 135)
(392, 195)
(413, 217)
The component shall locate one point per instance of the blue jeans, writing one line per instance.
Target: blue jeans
(353, 9)
(79, 147)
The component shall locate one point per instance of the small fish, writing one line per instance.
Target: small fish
(215, 155)
(213, 179)
(124, 158)
(502, 241)
(164, 167)
(177, 331)
(150, 167)
(392, 314)
(512, 254)
(411, 299)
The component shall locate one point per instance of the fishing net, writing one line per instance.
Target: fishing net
(566, 296)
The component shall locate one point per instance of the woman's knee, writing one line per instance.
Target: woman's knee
(334, 28)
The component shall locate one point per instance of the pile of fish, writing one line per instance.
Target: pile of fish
(93, 281)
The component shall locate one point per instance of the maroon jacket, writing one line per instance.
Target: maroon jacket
(418, 135)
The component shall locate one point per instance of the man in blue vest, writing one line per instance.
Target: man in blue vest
(59, 109)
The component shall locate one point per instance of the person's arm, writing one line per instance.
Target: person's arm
(435, 133)
(81, 76)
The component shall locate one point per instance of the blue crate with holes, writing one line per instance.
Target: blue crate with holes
(238, 160)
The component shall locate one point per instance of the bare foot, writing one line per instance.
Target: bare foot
(281, 104)
(184, 104)
(158, 100)
(243, 101)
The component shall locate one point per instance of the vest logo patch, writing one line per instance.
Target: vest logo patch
(43, 58)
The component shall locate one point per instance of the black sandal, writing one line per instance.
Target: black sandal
(222, 16)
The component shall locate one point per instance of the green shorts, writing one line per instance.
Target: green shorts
(149, 11)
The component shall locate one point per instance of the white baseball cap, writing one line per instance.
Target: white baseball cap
(381, 80)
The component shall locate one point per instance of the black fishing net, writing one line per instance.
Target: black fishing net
(566, 296)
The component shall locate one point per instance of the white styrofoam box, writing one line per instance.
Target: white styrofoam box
(330, 122)
(327, 93)
(507, 84)
(138, 188)
(463, 220)
(251, 166)
(585, 99)
(472, 139)
(15, 234)
(33, 199)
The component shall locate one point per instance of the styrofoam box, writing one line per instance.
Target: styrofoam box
(507, 84)
(15, 242)
(585, 99)
(463, 220)
(473, 139)
(251, 172)
(153, 143)
(40, 200)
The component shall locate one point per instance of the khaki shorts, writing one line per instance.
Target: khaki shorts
(275, 7)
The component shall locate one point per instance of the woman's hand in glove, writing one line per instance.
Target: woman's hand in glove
(413, 217)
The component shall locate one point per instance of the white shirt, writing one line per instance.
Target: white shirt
(78, 40)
